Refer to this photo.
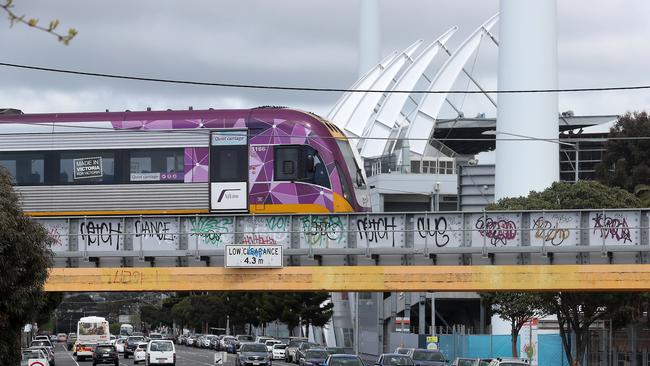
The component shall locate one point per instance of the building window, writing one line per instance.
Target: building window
(67, 167)
(25, 168)
(156, 165)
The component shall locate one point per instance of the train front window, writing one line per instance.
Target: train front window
(300, 163)
(351, 162)
(156, 165)
(25, 168)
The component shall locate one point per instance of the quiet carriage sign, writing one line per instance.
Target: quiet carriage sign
(253, 256)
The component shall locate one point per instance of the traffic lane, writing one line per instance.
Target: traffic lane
(63, 357)
(195, 356)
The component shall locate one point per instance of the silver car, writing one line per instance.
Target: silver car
(253, 354)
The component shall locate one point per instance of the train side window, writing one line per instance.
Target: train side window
(67, 169)
(156, 165)
(25, 168)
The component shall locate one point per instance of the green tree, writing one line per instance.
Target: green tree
(150, 315)
(626, 163)
(517, 308)
(316, 308)
(26, 257)
(577, 311)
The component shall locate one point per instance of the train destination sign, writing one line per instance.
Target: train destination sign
(87, 168)
(253, 256)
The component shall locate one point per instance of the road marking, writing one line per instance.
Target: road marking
(70, 354)
(195, 361)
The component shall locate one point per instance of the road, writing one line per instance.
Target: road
(185, 356)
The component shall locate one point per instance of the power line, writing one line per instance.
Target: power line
(205, 131)
(314, 89)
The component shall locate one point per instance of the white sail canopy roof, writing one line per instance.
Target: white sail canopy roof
(348, 101)
(386, 119)
(374, 123)
(424, 121)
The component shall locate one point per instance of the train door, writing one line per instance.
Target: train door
(229, 171)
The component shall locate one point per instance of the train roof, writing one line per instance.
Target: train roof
(11, 120)
(18, 116)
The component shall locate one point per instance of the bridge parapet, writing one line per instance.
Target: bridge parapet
(406, 238)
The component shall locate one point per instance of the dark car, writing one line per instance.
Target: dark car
(304, 346)
(427, 357)
(253, 354)
(231, 346)
(394, 359)
(72, 337)
(243, 338)
(313, 357)
(344, 360)
(106, 353)
(131, 344)
(339, 350)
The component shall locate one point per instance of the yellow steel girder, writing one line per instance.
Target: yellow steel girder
(635, 277)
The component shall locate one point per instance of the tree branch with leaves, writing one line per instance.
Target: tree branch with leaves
(51, 28)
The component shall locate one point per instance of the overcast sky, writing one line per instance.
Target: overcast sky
(293, 43)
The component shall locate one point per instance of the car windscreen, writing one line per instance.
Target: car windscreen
(316, 354)
(104, 349)
(155, 336)
(135, 339)
(347, 361)
(142, 346)
(31, 354)
(397, 361)
(427, 356)
(279, 346)
(253, 348)
(41, 343)
(245, 338)
(161, 347)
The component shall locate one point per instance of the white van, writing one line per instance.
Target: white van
(161, 352)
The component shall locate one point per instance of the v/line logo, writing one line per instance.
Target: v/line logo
(229, 196)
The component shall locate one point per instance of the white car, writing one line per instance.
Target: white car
(140, 353)
(269, 344)
(119, 345)
(278, 351)
(161, 352)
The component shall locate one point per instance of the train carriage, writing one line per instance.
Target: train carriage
(262, 160)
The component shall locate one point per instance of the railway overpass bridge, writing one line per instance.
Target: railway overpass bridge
(431, 251)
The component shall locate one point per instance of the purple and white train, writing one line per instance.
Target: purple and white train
(261, 160)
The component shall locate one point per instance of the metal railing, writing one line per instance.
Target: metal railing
(422, 234)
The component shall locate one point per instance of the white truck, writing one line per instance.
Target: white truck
(91, 331)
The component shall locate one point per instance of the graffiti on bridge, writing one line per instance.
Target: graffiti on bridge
(101, 235)
(156, 233)
(380, 231)
(614, 227)
(211, 232)
(500, 231)
(267, 230)
(440, 231)
(549, 231)
(323, 231)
